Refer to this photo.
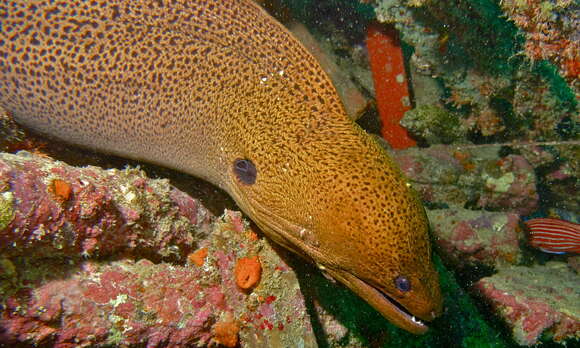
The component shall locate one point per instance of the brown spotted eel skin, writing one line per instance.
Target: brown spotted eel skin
(195, 85)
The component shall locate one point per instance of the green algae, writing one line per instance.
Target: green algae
(6, 209)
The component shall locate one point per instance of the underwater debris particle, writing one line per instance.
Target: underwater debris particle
(226, 333)
(198, 257)
(248, 272)
(60, 190)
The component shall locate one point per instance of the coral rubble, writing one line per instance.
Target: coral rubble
(60, 210)
(461, 184)
(469, 238)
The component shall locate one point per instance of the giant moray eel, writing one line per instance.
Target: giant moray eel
(222, 91)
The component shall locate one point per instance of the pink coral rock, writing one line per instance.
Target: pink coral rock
(542, 299)
(471, 238)
(108, 265)
(471, 175)
(105, 212)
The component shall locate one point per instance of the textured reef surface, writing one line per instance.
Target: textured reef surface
(51, 209)
(535, 300)
(92, 257)
(117, 258)
(477, 198)
(498, 70)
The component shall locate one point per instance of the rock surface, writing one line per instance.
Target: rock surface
(114, 259)
(535, 301)
(471, 238)
(474, 176)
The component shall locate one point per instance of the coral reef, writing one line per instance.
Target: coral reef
(108, 260)
(471, 176)
(58, 210)
(112, 258)
(552, 32)
(14, 138)
(536, 301)
(475, 53)
(434, 124)
(559, 177)
(461, 180)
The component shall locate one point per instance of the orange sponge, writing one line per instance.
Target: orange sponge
(248, 272)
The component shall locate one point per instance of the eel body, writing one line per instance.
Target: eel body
(199, 85)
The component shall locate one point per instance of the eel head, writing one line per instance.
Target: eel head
(347, 208)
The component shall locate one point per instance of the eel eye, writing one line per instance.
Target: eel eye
(403, 284)
(245, 171)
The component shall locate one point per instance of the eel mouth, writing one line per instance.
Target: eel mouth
(383, 303)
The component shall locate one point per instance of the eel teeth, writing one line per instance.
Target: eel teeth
(418, 321)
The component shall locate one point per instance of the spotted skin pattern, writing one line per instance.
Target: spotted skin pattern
(196, 85)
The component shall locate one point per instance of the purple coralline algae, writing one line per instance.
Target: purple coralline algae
(536, 302)
(107, 264)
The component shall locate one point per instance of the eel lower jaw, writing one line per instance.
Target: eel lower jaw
(383, 303)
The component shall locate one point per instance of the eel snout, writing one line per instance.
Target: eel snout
(388, 306)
